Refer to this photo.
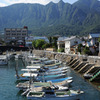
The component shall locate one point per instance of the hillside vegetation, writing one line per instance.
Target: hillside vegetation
(59, 18)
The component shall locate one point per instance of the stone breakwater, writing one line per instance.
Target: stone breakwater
(83, 64)
(67, 57)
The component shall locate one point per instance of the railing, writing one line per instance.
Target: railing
(94, 76)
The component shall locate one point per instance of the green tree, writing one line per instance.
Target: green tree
(39, 43)
(46, 45)
(86, 50)
(55, 42)
(79, 48)
(50, 41)
(34, 44)
(99, 39)
(61, 50)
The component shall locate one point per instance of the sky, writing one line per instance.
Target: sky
(10, 2)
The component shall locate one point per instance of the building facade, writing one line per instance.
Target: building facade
(61, 42)
(93, 38)
(71, 44)
(16, 34)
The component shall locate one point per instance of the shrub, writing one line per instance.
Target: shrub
(61, 50)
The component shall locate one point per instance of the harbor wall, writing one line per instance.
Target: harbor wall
(67, 57)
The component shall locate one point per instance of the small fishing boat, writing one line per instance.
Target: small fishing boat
(18, 56)
(34, 95)
(29, 70)
(3, 60)
(41, 59)
(59, 80)
(33, 67)
(51, 65)
(53, 76)
(56, 72)
(88, 76)
(50, 93)
(26, 76)
(58, 69)
(50, 62)
(24, 86)
(48, 77)
(36, 63)
(64, 83)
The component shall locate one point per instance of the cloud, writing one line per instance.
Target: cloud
(9, 2)
(2, 5)
(29, 1)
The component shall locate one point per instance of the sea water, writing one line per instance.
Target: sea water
(8, 90)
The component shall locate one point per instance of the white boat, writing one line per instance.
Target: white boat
(60, 88)
(49, 62)
(58, 69)
(18, 56)
(88, 76)
(10, 56)
(59, 80)
(64, 83)
(36, 63)
(24, 86)
(53, 64)
(55, 72)
(29, 70)
(52, 94)
(33, 67)
(48, 77)
(35, 58)
(41, 59)
(3, 60)
(26, 76)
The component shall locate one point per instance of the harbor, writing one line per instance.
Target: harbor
(10, 92)
(50, 50)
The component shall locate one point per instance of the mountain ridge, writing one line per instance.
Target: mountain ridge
(54, 18)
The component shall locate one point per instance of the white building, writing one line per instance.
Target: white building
(93, 37)
(70, 42)
(61, 42)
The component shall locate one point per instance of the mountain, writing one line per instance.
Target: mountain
(59, 18)
(88, 5)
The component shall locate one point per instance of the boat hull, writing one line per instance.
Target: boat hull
(76, 97)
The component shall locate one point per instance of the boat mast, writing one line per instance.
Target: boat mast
(16, 69)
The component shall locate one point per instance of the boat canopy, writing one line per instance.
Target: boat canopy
(29, 74)
(34, 67)
(43, 84)
(29, 70)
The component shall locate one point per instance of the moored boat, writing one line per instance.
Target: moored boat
(26, 76)
(3, 60)
(59, 80)
(88, 76)
(50, 93)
